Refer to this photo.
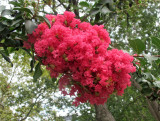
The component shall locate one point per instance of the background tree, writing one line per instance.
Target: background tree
(133, 26)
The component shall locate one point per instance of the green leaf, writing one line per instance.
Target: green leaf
(6, 12)
(6, 57)
(46, 20)
(143, 61)
(2, 7)
(24, 10)
(30, 26)
(105, 10)
(156, 41)
(137, 45)
(37, 73)
(11, 49)
(94, 11)
(84, 4)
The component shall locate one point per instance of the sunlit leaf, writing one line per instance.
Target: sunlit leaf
(30, 26)
(6, 12)
(150, 58)
(105, 10)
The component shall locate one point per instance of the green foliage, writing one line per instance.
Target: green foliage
(133, 26)
(156, 42)
(45, 19)
(26, 98)
(131, 106)
(135, 30)
(6, 57)
(84, 4)
(137, 45)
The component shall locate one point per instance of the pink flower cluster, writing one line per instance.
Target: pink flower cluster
(78, 51)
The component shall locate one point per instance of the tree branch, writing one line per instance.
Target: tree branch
(102, 113)
(152, 105)
(141, 56)
(31, 108)
(85, 17)
(3, 45)
(53, 8)
(11, 45)
(75, 4)
(28, 112)
(69, 5)
(62, 4)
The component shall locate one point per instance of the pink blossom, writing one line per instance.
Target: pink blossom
(78, 50)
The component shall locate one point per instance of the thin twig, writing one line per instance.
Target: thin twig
(141, 56)
(31, 108)
(85, 17)
(2, 106)
(3, 45)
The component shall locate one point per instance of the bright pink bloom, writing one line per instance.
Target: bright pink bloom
(78, 50)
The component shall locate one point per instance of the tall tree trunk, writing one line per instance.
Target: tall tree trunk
(154, 109)
(103, 114)
(152, 105)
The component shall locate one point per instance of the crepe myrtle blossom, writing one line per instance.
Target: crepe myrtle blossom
(78, 51)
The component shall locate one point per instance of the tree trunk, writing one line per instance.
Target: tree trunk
(152, 105)
(154, 109)
(102, 113)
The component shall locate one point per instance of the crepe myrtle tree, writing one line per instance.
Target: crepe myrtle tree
(70, 39)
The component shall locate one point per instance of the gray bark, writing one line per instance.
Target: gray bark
(152, 105)
(102, 113)
(154, 109)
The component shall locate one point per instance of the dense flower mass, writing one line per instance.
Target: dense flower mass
(78, 51)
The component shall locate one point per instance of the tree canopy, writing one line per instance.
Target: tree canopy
(28, 92)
